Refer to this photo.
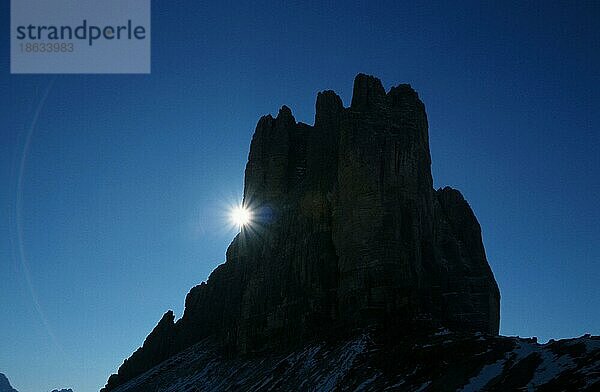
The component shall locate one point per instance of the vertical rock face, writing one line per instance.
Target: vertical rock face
(383, 215)
(347, 232)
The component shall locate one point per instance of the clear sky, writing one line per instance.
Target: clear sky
(113, 202)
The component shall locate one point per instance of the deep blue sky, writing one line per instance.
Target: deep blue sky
(120, 207)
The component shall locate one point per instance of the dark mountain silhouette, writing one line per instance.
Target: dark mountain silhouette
(354, 271)
(5, 384)
(6, 387)
(440, 361)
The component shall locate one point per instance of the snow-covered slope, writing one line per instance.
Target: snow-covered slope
(441, 362)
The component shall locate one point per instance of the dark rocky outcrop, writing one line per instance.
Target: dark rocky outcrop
(5, 384)
(439, 362)
(347, 233)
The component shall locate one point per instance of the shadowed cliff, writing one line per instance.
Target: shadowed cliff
(347, 233)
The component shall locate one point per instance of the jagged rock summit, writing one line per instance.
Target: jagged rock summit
(347, 233)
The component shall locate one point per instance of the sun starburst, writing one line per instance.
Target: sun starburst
(240, 216)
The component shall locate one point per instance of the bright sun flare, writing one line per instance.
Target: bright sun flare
(240, 216)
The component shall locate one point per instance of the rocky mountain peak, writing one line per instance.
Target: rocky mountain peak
(368, 92)
(285, 116)
(348, 234)
(329, 108)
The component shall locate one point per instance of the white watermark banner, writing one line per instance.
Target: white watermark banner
(80, 36)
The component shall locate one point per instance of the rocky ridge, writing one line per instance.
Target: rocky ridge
(442, 361)
(347, 234)
(5, 384)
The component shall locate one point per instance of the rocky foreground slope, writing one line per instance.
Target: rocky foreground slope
(347, 236)
(442, 361)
